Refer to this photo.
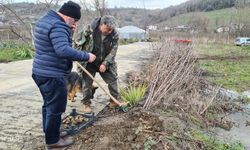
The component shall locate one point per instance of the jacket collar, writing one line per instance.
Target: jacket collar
(55, 14)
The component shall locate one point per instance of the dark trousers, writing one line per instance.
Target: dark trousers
(109, 76)
(54, 93)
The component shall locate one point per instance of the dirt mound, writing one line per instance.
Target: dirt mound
(123, 132)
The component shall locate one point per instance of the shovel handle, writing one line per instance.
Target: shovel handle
(86, 71)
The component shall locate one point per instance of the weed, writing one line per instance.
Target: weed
(24, 52)
(10, 51)
(149, 143)
(133, 94)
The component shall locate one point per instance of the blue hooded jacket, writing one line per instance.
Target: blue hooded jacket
(53, 44)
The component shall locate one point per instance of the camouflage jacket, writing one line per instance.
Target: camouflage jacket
(91, 40)
(83, 40)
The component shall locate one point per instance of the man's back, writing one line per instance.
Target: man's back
(53, 43)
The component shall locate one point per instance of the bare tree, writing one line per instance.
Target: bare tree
(99, 7)
(14, 29)
(50, 4)
(145, 16)
(199, 22)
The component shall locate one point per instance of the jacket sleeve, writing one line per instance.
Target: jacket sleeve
(60, 40)
(110, 58)
(84, 41)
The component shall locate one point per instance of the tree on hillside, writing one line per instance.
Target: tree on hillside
(199, 23)
(242, 22)
(50, 4)
(242, 3)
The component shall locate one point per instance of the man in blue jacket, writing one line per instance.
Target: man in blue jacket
(52, 62)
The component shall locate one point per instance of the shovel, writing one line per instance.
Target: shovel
(122, 105)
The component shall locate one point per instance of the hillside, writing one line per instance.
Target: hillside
(212, 19)
(200, 14)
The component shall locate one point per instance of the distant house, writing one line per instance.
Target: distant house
(230, 28)
(132, 32)
(152, 27)
(182, 28)
(167, 28)
(222, 29)
(236, 27)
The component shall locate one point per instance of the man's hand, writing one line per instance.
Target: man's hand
(102, 68)
(92, 58)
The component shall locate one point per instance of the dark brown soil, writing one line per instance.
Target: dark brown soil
(132, 130)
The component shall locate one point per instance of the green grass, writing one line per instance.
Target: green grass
(215, 18)
(127, 41)
(230, 73)
(11, 51)
(213, 144)
(221, 50)
(133, 94)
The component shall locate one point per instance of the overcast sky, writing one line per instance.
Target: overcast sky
(150, 4)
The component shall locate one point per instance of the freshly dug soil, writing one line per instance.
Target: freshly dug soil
(123, 132)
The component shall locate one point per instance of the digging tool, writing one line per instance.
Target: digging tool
(122, 105)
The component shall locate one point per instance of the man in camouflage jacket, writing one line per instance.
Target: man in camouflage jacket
(104, 44)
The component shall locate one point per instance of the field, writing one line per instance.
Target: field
(226, 65)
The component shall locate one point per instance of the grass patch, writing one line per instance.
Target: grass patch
(213, 144)
(230, 73)
(11, 51)
(127, 41)
(214, 49)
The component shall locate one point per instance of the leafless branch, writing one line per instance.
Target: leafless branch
(20, 20)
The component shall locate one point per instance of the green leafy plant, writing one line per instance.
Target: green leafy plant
(149, 143)
(138, 130)
(24, 52)
(14, 50)
(133, 94)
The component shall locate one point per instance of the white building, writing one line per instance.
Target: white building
(152, 27)
(132, 32)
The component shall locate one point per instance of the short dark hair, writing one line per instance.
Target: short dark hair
(109, 21)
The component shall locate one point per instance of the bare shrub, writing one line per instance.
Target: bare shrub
(170, 72)
(176, 83)
(174, 80)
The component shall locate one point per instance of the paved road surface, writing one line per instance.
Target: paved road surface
(20, 100)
